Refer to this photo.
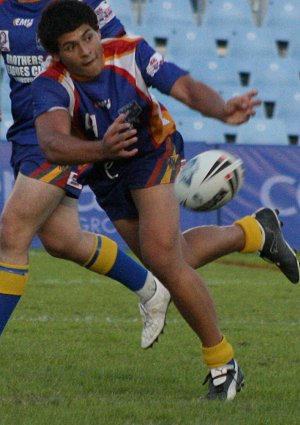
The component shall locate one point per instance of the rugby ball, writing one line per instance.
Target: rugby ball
(209, 180)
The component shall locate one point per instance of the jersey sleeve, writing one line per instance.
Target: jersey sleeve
(155, 71)
(109, 24)
(48, 95)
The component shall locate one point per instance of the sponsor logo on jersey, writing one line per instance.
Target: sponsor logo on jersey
(154, 64)
(23, 22)
(106, 103)
(4, 41)
(104, 13)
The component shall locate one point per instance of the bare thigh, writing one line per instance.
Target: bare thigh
(28, 207)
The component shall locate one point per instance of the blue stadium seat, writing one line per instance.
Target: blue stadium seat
(288, 109)
(262, 132)
(293, 49)
(216, 71)
(270, 73)
(231, 13)
(168, 16)
(124, 11)
(201, 129)
(258, 42)
(282, 14)
(191, 44)
(281, 71)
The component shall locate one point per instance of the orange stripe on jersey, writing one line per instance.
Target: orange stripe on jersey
(161, 125)
(119, 47)
(166, 168)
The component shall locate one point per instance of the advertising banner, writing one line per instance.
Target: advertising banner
(272, 178)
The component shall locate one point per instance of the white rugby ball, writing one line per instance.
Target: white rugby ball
(209, 180)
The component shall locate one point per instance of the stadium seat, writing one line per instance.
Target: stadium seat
(168, 16)
(231, 13)
(282, 14)
(216, 71)
(196, 42)
(293, 47)
(124, 11)
(258, 42)
(270, 73)
(191, 43)
(288, 109)
(201, 129)
(262, 132)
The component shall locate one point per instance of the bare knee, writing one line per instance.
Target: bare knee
(14, 236)
(55, 246)
(74, 246)
(163, 261)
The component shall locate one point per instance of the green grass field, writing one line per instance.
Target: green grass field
(71, 353)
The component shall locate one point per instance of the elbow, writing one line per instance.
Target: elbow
(50, 151)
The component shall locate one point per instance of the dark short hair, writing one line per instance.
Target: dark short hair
(61, 17)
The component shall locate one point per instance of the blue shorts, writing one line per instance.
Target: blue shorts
(112, 181)
(30, 161)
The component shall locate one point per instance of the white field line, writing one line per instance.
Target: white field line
(95, 281)
(117, 320)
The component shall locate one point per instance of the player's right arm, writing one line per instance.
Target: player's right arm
(61, 147)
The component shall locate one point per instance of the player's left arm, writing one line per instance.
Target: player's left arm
(206, 100)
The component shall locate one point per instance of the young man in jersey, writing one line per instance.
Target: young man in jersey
(102, 89)
(44, 197)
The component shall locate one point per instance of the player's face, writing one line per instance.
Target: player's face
(81, 52)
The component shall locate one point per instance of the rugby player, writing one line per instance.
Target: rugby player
(102, 88)
(44, 197)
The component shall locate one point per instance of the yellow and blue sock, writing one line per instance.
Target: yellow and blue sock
(13, 280)
(253, 236)
(218, 355)
(107, 259)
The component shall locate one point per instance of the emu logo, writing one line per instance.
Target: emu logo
(22, 22)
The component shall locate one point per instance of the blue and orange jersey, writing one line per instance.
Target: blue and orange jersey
(131, 68)
(24, 56)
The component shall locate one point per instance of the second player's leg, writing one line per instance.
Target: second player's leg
(62, 235)
(29, 205)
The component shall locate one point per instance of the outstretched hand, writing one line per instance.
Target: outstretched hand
(239, 109)
(118, 138)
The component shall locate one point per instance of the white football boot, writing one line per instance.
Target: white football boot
(153, 314)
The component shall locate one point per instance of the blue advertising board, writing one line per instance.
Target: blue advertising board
(272, 178)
